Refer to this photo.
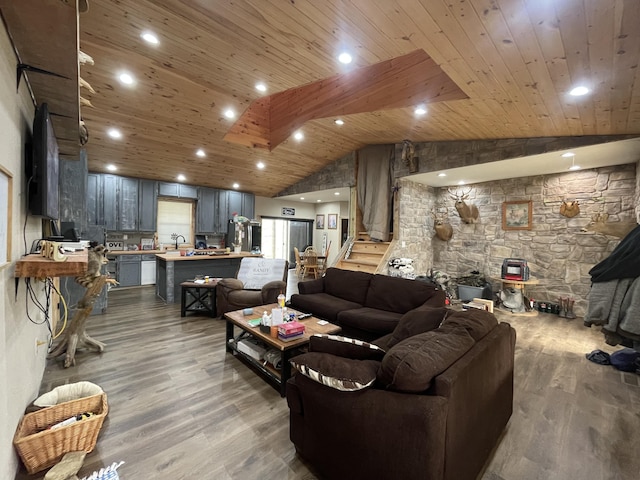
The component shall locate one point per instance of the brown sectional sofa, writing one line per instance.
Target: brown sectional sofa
(429, 402)
(366, 306)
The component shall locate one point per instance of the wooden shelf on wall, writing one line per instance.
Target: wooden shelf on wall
(36, 266)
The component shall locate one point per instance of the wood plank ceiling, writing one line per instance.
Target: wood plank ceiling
(515, 60)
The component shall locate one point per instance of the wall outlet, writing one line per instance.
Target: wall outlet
(125, 236)
(404, 244)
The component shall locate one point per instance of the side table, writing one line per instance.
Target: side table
(198, 297)
(520, 285)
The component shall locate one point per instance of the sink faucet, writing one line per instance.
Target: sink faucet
(183, 239)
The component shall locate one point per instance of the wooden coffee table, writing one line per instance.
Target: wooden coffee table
(237, 320)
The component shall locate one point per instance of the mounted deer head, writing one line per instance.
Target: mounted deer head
(599, 224)
(468, 213)
(444, 230)
(570, 209)
(409, 156)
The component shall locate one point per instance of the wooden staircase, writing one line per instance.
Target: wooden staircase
(365, 256)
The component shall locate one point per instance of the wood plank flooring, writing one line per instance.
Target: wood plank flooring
(181, 408)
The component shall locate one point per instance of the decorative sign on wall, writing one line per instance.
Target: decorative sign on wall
(288, 211)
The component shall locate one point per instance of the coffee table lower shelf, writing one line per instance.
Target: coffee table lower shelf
(278, 379)
(238, 327)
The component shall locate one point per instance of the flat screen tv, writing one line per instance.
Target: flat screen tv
(42, 169)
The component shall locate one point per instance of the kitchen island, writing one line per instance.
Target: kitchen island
(172, 270)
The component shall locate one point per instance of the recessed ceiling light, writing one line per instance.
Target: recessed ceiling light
(420, 110)
(574, 167)
(126, 78)
(318, 201)
(261, 87)
(579, 91)
(111, 167)
(229, 113)
(442, 174)
(114, 133)
(568, 155)
(236, 185)
(181, 177)
(260, 165)
(149, 38)
(201, 153)
(298, 135)
(345, 58)
(301, 198)
(461, 182)
(336, 193)
(338, 122)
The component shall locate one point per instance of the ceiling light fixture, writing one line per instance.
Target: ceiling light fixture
(261, 87)
(420, 110)
(181, 178)
(461, 182)
(126, 78)
(229, 113)
(114, 133)
(149, 37)
(260, 165)
(568, 155)
(301, 198)
(338, 122)
(298, 135)
(345, 58)
(336, 193)
(236, 185)
(201, 153)
(111, 167)
(318, 201)
(579, 91)
(442, 174)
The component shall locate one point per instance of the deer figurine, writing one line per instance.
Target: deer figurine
(444, 230)
(569, 209)
(468, 212)
(599, 224)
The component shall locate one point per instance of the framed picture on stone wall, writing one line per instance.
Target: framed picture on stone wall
(517, 215)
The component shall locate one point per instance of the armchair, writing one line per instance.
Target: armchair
(259, 281)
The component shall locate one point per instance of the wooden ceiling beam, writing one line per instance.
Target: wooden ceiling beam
(397, 83)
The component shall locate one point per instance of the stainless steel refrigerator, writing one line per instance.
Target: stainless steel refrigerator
(252, 241)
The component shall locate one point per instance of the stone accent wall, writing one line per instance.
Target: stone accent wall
(414, 202)
(341, 173)
(558, 253)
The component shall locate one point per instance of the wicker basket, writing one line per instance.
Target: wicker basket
(40, 448)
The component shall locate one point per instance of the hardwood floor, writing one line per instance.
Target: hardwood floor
(181, 408)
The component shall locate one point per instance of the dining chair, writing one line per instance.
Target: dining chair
(299, 261)
(310, 263)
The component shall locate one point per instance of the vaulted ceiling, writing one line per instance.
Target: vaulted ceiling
(514, 60)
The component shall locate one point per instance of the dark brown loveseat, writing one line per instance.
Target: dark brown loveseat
(430, 406)
(366, 306)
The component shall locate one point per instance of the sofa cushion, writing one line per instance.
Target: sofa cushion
(343, 374)
(347, 285)
(411, 364)
(475, 321)
(416, 321)
(376, 322)
(322, 305)
(394, 294)
(345, 347)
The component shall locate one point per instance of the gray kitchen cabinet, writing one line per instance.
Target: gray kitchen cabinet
(248, 204)
(223, 216)
(128, 204)
(129, 270)
(94, 199)
(207, 210)
(235, 203)
(110, 201)
(177, 190)
(148, 206)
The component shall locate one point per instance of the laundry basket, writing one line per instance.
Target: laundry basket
(40, 448)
